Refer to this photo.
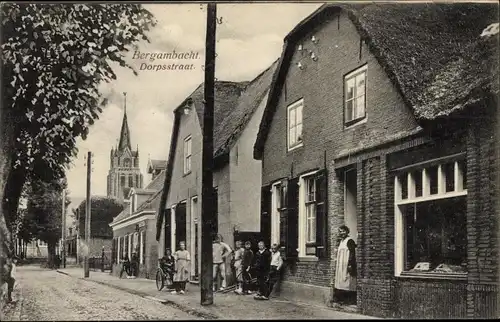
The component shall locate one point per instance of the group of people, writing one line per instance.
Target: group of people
(267, 265)
(130, 267)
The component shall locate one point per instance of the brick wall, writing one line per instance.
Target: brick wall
(320, 84)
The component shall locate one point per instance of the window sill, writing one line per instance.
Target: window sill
(295, 147)
(308, 259)
(354, 123)
(435, 276)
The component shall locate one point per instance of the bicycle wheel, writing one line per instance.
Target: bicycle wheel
(160, 280)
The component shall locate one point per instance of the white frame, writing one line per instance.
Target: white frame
(294, 106)
(307, 217)
(302, 216)
(399, 228)
(194, 220)
(275, 214)
(119, 255)
(129, 246)
(354, 74)
(141, 245)
(188, 145)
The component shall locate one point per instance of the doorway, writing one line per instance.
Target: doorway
(350, 202)
(180, 224)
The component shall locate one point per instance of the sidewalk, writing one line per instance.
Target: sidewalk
(226, 306)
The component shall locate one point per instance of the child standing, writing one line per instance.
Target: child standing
(238, 257)
(246, 264)
(12, 279)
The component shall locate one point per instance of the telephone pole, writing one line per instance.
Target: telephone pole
(63, 235)
(207, 195)
(87, 217)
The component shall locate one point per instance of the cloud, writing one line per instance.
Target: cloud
(249, 40)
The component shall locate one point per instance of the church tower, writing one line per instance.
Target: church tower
(124, 172)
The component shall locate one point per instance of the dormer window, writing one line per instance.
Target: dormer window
(126, 163)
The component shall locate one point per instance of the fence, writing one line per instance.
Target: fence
(101, 263)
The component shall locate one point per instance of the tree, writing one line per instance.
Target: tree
(44, 213)
(103, 211)
(54, 57)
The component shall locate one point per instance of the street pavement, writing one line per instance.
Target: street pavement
(45, 295)
(226, 306)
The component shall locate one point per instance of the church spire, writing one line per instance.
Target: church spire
(125, 132)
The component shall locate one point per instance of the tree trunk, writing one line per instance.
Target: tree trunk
(51, 252)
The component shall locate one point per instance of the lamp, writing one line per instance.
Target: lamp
(300, 66)
(314, 57)
(314, 40)
(188, 106)
(300, 47)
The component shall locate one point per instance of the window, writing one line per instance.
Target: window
(143, 248)
(355, 96)
(118, 251)
(126, 163)
(122, 179)
(430, 218)
(131, 180)
(295, 125)
(187, 155)
(278, 191)
(307, 215)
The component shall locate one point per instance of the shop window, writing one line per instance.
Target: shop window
(430, 219)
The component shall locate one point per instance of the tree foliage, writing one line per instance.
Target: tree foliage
(44, 213)
(54, 58)
(103, 211)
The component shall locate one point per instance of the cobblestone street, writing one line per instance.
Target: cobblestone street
(47, 295)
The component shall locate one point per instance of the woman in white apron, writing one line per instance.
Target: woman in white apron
(345, 273)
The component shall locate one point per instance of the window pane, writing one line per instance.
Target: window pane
(462, 165)
(360, 84)
(360, 106)
(298, 117)
(403, 180)
(436, 233)
(291, 118)
(449, 173)
(417, 177)
(189, 146)
(349, 89)
(291, 136)
(433, 178)
(298, 133)
(349, 111)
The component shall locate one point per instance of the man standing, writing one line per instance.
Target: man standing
(220, 251)
(262, 267)
(12, 279)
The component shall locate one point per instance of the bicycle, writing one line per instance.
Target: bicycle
(163, 277)
(125, 268)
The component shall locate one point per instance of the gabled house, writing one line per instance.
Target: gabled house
(134, 229)
(382, 121)
(238, 111)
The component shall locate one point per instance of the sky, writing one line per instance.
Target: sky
(249, 39)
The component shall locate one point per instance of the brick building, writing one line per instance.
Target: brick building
(382, 121)
(134, 229)
(237, 175)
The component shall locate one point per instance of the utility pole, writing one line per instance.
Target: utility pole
(87, 217)
(63, 235)
(207, 195)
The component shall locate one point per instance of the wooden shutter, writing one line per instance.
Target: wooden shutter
(283, 193)
(168, 229)
(292, 218)
(321, 213)
(265, 214)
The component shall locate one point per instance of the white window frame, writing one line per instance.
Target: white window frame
(275, 214)
(173, 236)
(399, 227)
(194, 219)
(188, 152)
(353, 75)
(118, 255)
(130, 246)
(141, 250)
(302, 215)
(295, 106)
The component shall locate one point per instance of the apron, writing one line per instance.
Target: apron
(344, 281)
